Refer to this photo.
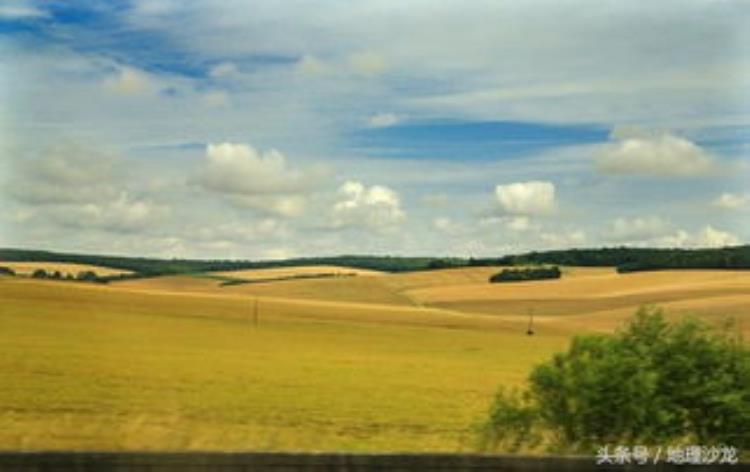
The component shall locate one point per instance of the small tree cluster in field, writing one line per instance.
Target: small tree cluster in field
(83, 276)
(521, 275)
(54, 275)
(87, 276)
(653, 383)
(7, 271)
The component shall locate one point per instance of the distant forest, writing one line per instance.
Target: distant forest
(634, 259)
(153, 266)
(624, 258)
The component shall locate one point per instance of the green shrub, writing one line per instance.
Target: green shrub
(87, 276)
(520, 275)
(651, 383)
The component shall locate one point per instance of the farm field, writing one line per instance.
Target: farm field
(369, 287)
(27, 268)
(279, 272)
(372, 363)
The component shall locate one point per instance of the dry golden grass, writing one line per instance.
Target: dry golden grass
(344, 289)
(280, 272)
(477, 276)
(171, 283)
(27, 268)
(393, 362)
(593, 284)
(599, 293)
(585, 292)
(440, 278)
(96, 367)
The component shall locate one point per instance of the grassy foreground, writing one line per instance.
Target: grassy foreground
(378, 362)
(89, 367)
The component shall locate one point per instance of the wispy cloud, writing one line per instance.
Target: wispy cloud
(20, 10)
(420, 136)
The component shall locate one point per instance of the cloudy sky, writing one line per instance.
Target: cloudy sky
(267, 129)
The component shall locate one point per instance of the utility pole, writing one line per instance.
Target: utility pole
(530, 330)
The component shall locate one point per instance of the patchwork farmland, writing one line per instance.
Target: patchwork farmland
(336, 359)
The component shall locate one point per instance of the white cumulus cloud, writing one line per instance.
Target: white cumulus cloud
(519, 223)
(383, 120)
(241, 169)
(526, 198)
(253, 179)
(657, 154)
(731, 201)
(81, 187)
(216, 99)
(129, 81)
(637, 229)
(655, 231)
(368, 63)
(712, 237)
(447, 225)
(288, 206)
(311, 66)
(240, 232)
(223, 69)
(64, 173)
(124, 214)
(563, 239)
(376, 207)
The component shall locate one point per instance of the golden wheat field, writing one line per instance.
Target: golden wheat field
(372, 363)
(281, 272)
(26, 268)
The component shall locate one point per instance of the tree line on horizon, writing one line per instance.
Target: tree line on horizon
(81, 276)
(628, 259)
(625, 259)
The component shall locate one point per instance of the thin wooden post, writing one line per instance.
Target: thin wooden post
(530, 330)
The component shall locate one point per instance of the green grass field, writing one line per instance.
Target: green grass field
(178, 363)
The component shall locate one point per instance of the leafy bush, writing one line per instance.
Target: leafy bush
(87, 276)
(651, 383)
(39, 274)
(520, 275)
(6, 271)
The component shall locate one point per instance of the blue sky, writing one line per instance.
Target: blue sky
(270, 129)
(480, 140)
